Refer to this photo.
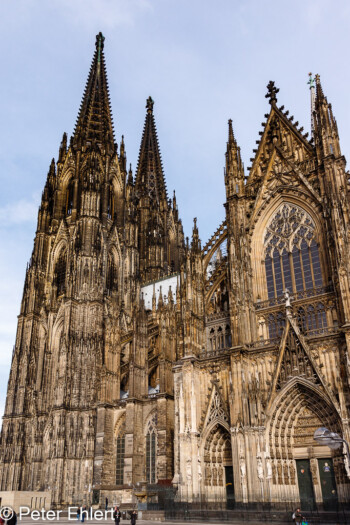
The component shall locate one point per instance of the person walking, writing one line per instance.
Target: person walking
(133, 517)
(83, 513)
(106, 504)
(117, 515)
(298, 517)
(78, 514)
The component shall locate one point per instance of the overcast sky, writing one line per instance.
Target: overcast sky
(202, 61)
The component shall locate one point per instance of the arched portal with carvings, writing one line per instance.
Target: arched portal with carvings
(300, 469)
(216, 476)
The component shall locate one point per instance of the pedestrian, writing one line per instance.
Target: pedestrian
(298, 517)
(78, 514)
(106, 503)
(133, 517)
(117, 515)
(83, 513)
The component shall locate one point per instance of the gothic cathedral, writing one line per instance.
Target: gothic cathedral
(144, 360)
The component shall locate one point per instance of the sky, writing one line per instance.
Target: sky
(202, 62)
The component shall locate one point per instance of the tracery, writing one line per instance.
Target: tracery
(151, 449)
(291, 252)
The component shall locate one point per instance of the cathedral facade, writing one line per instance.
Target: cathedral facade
(144, 360)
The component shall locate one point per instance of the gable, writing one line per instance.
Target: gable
(295, 361)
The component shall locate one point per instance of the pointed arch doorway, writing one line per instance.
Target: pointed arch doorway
(218, 468)
(303, 471)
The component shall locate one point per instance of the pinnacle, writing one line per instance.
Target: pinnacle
(319, 90)
(149, 173)
(231, 136)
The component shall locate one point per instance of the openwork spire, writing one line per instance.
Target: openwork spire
(149, 174)
(94, 123)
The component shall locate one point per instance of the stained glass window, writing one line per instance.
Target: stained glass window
(151, 450)
(291, 252)
(120, 454)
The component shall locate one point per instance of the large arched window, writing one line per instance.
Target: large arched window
(120, 454)
(291, 252)
(151, 450)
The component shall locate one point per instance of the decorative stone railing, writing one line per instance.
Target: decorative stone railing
(298, 296)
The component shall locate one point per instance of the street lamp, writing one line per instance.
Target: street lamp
(323, 436)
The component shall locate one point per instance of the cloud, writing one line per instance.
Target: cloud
(20, 212)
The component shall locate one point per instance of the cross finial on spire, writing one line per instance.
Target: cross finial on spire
(311, 81)
(100, 41)
(272, 91)
(149, 104)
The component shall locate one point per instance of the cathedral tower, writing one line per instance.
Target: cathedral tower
(82, 333)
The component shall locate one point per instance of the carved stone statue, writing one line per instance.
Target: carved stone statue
(260, 469)
(242, 467)
(287, 298)
(268, 469)
(189, 470)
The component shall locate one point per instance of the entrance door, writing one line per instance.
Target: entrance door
(306, 489)
(230, 491)
(329, 488)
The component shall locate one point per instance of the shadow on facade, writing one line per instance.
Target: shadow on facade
(166, 499)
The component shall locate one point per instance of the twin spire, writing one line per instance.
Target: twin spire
(149, 174)
(94, 123)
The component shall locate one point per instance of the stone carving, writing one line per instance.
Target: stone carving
(260, 469)
(242, 468)
(216, 409)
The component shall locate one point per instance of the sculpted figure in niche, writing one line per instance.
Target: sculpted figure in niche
(243, 468)
(199, 468)
(260, 469)
(268, 469)
(188, 471)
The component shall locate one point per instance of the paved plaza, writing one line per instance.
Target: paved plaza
(64, 521)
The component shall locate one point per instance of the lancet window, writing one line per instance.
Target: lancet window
(151, 450)
(291, 252)
(111, 279)
(276, 322)
(219, 337)
(60, 272)
(312, 318)
(69, 198)
(110, 211)
(120, 454)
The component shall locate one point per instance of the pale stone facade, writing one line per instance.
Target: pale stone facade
(214, 385)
